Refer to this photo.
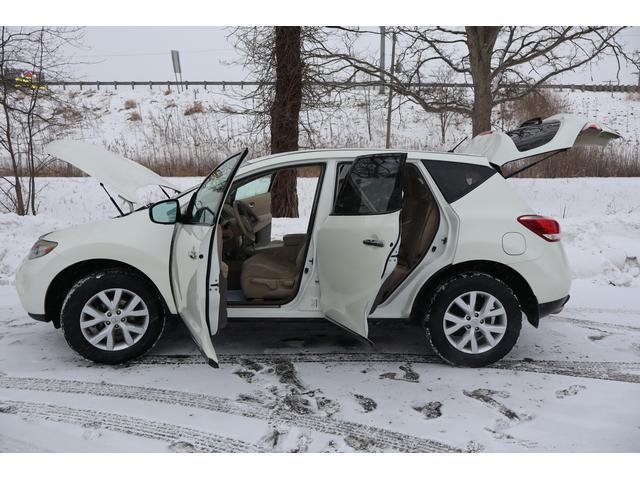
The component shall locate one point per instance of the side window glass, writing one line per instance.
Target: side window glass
(208, 198)
(373, 185)
(343, 170)
(254, 187)
(455, 179)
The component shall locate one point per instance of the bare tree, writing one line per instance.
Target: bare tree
(31, 113)
(446, 93)
(285, 117)
(501, 63)
(635, 61)
(294, 83)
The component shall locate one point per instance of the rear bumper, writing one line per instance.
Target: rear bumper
(549, 308)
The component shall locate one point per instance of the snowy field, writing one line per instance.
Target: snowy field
(207, 125)
(571, 385)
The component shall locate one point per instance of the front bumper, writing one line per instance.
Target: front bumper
(33, 279)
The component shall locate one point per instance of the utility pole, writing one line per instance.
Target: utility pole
(177, 69)
(382, 56)
(390, 98)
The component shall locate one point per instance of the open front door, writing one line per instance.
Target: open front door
(357, 245)
(197, 272)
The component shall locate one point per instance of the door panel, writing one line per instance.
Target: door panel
(189, 274)
(357, 245)
(196, 262)
(351, 272)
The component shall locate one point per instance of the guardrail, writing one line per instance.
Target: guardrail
(606, 87)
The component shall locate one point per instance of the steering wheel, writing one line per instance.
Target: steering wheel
(227, 216)
(245, 219)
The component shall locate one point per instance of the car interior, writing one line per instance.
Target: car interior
(420, 219)
(263, 257)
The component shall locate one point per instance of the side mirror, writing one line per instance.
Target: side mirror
(165, 212)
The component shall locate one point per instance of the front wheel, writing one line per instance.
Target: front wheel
(474, 320)
(112, 316)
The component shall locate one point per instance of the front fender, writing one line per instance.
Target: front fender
(133, 240)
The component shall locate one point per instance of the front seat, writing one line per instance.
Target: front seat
(269, 276)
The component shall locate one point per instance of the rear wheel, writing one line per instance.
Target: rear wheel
(112, 316)
(474, 320)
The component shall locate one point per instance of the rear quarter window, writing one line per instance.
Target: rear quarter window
(533, 135)
(455, 179)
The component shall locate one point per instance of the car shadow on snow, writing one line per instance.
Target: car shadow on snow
(256, 336)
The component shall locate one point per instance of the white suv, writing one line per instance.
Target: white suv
(439, 237)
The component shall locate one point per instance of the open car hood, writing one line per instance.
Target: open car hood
(121, 175)
(537, 136)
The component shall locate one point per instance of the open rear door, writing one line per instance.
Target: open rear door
(537, 137)
(197, 272)
(357, 245)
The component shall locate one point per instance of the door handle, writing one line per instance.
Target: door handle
(373, 243)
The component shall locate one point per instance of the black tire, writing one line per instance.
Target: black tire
(91, 285)
(452, 289)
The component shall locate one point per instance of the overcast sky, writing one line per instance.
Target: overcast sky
(142, 53)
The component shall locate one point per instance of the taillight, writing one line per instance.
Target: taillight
(592, 126)
(545, 227)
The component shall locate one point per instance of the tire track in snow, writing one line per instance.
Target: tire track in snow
(139, 427)
(379, 438)
(593, 324)
(625, 311)
(615, 371)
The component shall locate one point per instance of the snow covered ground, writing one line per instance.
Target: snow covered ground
(571, 385)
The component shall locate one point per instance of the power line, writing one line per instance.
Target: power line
(150, 54)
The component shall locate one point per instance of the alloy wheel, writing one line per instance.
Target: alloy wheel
(475, 322)
(114, 319)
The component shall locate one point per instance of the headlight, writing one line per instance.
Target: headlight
(41, 248)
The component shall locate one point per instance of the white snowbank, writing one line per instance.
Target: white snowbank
(600, 219)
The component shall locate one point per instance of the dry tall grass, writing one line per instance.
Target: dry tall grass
(174, 143)
(582, 162)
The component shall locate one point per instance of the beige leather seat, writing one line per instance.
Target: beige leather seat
(420, 221)
(270, 276)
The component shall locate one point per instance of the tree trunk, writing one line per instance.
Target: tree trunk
(15, 162)
(481, 42)
(285, 117)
